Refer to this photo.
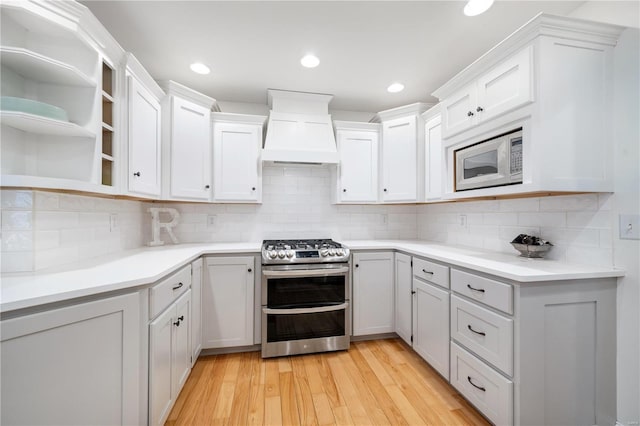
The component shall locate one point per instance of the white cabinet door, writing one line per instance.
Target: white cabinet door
(399, 163)
(403, 297)
(358, 168)
(227, 302)
(507, 86)
(190, 152)
(236, 162)
(459, 110)
(144, 140)
(434, 160)
(160, 358)
(372, 293)
(196, 310)
(74, 365)
(431, 325)
(181, 362)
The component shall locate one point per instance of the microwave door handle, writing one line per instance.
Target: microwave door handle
(306, 273)
(270, 311)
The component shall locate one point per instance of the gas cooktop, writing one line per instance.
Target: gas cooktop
(303, 251)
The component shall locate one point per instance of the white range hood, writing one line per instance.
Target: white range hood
(299, 129)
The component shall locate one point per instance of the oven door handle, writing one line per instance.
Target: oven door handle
(270, 311)
(306, 272)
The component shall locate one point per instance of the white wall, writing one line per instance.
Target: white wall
(626, 253)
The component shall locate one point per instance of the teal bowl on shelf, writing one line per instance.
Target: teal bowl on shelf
(9, 103)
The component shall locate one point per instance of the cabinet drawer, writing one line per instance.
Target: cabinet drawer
(167, 290)
(487, 334)
(485, 388)
(432, 272)
(493, 293)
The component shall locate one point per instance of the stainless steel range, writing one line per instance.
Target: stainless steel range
(305, 297)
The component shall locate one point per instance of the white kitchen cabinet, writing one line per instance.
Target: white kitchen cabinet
(402, 154)
(507, 86)
(237, 167)
(144, 127)
(186, 142)
(434, 158)
(227, 302)
(403, 297)
(431, 325)
(169, 357)
(357, 171)
(78, 364)
(196, 309)
(373, 298)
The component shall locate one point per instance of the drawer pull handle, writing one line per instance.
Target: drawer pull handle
(474, 385)
(482, 333)
(178, 286)
(479, 290)
(427, 272)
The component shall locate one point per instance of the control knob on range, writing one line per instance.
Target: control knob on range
(281, 254)
(289, 254)
(272, 254)
(324, 252)
(339, 252)
(332, 252)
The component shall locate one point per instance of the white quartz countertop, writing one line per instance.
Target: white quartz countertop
(144, 266)
(128, 269)
(509, 266)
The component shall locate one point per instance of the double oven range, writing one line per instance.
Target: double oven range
(305, 297)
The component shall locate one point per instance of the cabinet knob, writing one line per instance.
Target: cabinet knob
(137, 174)
(344, 190)
(413, 292)
(385, 190)
(357, 266)
(207, 186)
(249, 270)
(253, 188)
(479, 109)
(470, 114)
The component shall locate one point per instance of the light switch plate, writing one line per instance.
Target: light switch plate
(113, 222)
(211, 221)
(630, 227)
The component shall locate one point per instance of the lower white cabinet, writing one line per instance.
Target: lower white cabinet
(431, 325)
(403, 296)
(169, 357)
(78, 364)
(373, 299)
(196, 309)
(227, 302)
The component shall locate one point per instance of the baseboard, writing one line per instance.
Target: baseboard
(373, 337)
(618, 423)
(233, 350)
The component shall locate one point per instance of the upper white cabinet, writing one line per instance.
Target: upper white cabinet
(237, 142)
(357, 173)
(78, 364)
(227, 302)
(553, 80)
(53, 97)
(434, 154)
(144, 120)
(402, 154)
(373, 308)
(506, 86)
(186, 144)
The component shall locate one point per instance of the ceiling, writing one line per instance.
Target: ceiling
(363, 46)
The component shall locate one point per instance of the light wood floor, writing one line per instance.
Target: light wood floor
(375, 382)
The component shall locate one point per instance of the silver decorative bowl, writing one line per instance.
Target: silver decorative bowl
(531, 250)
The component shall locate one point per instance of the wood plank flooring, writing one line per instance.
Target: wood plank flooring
(376, 382)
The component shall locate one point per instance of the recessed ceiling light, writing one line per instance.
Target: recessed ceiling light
(310, 61)
(199, 68)
(476, 7)
(395, 88)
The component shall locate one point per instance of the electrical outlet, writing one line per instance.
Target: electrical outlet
(384, 218)
(211, 220)
(113, 222)
(629, 227)
(462, 221)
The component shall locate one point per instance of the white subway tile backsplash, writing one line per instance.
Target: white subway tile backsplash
(47, 220)
(17, 240)
(519, 205)
(558, 219)
(16, 199)
(18, 261)
(569, 203)
(17, 220)
(598, 219)
(504, 219)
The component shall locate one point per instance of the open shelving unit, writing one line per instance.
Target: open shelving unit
(107, 152)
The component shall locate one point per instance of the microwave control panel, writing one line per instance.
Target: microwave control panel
(516, 155)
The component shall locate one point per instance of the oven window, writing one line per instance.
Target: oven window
(305, 292)
(281, 328)
(485, 163)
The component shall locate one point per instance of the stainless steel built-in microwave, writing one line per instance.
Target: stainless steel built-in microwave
(493, 162)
